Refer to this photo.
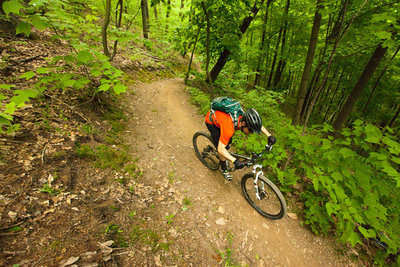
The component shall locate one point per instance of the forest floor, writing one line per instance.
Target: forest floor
(58, 209)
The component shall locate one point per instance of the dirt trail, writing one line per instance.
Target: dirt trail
(161, 132)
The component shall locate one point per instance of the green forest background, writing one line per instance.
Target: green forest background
(324, 75)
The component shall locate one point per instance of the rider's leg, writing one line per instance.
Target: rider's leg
(215, 134)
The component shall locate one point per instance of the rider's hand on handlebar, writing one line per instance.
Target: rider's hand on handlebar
(239, 164)
(271, 140)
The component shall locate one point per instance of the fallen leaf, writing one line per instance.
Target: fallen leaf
(221, 221)
(292, 216)
(12, 215)
(70, 261)
(48, 211)
(107, 243)
(50, 179)
(221, 210)
(157, 259)
(88, 255)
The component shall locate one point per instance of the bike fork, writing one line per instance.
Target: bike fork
(257, 174)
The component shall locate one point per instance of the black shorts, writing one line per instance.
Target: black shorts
(215, 134)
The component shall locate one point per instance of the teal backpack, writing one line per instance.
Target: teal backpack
(227, 105)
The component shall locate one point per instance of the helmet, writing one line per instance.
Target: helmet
(253, 120)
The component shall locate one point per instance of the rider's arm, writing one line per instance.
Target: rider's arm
(265, 131)
(224, 152)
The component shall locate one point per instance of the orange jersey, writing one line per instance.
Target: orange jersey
(224, 122)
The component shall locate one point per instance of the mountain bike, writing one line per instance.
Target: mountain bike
(259, 191)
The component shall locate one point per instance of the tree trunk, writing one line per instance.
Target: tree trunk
(145, 21)
(377, 82)
(223, 58)
(261, 49)
(327, 70)
(282, 61)
(308, 64)
(118, 22)
(1, 7)
(208, 49)
(390, 124)
(181, 9)
(167, 14)
(104, 28)
(271, 72)
(194, 48)
(155, 12)
(332, 98)
(369, 69)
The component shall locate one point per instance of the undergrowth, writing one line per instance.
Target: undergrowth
(350, 184)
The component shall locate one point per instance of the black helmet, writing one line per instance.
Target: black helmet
(253, 120)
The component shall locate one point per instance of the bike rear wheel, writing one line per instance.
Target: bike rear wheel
(271, 204)
(205, 150)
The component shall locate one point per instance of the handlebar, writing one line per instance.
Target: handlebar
(254, 156)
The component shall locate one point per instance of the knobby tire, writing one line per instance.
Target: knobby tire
(275, 198)
(208, 158)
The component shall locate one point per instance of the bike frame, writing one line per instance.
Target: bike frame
(257, 168)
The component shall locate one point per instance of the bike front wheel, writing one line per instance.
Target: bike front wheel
(264, 196)
(205, 150)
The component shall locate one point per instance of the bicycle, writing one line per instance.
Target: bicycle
(260, 192)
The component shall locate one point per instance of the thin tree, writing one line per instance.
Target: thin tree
(271, 72)
(168, 13)
(208, 48)
(377, 81)
(308, 64)
(118, 23)
(327, 70)
(145, 18)
(282, 61)
(193, 50)
(261, 58)
(369, 69)
(104, 28)
(223, 58)
(396, 115)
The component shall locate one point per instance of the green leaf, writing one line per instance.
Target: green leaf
(317, 170)
(38, 3)
(28, 75)
(346, 152)
(23, 27)
(11, 108)
(370, 233)
(104, 87)
(96, 72)
(84, 56)
(5, 119)
(337, 176)
(394, 147)
(43, 70)
(6, 86)
(68, 83)
(373, 134)
(395, 160)
(332, 208)
(383, 35)
(22, 96)
(38, 22)
(326, 144)
(390, 170)
(119, 88)
(358, 122)
(12, 6)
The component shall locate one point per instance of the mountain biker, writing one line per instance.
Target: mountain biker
(222, 129)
